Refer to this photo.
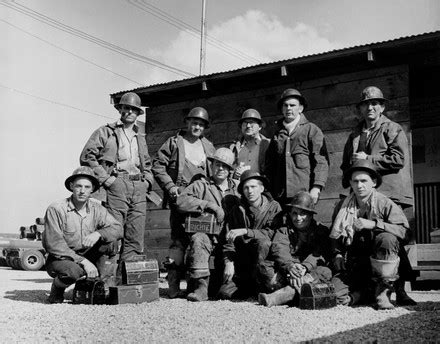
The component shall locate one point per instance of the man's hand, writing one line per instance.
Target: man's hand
(229, 271)
(360, 224)
(297, 270)
(91, 239)
(217, 210)
(90, 269)
(173, 192)
(314, 193)
(359, 156)
(339, 263)
(240, 169)
(234, 233)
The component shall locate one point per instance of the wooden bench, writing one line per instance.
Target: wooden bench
(425, 260)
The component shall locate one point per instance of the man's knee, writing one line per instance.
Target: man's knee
(67, 271)
(386, 246)
(200, 240)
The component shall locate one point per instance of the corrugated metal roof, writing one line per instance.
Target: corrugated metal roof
(330, 53)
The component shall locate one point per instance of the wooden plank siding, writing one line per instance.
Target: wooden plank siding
(331, 105)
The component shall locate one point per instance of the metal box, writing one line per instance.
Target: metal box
(133, 293)
(140, 272)
(317, 296)
(89, 292)
(204, 223)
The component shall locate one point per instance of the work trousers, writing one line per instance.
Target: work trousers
(67, 272)
(127, 202)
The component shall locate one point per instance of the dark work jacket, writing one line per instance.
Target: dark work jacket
(387, 149)
(264, 144)
(298, 161)
(260, 223)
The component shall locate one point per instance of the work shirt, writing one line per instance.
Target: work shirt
(66, 229)
(249, 153)
(128, 152)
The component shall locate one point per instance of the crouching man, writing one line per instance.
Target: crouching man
(248, 223)
(367, 230)
(213, 195)
(79, 235)
(299, 253)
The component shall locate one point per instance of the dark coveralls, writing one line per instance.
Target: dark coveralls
(260, 223)
(309, 247)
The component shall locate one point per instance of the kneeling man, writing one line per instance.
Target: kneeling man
(79, 235)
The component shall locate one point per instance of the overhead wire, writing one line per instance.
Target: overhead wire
(176, 22)
(53, 101)
(78, 33)
(71, 53)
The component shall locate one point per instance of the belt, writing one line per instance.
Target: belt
(129, 176)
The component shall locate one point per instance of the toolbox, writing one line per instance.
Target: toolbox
(317, 296)
(203, 223)
(133, 293)
(140, 271)
(89, 291)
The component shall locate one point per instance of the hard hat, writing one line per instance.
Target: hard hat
(225, 156)
(250, 174)
(250, 114)
(302, 200)
(200, 113)
(130, 99)
(371, 93)
(291, 92)
(82, 171)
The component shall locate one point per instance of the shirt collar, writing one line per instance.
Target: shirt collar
(120, 124)
(71, 206)
(257, 139)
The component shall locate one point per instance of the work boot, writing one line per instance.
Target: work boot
(382, 294)
(56, 294)
(173, 279)
(227, 291)
(279, 297)
(402, 298)
(201, 289)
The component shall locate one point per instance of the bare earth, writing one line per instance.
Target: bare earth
(25, 317)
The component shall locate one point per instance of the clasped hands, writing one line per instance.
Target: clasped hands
(295, 276)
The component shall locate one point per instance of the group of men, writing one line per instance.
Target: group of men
(262, 194)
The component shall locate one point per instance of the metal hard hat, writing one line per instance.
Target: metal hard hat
(371, 93)
(250, 174)
(130, 99)
(225, 156)
(82, 171)
(362, 165)
(291, 92)
(302, 200)
(250, 114)
(200, 113)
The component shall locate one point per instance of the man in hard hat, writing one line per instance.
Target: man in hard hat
(216, 195)
(367, 230)
(383, 143)
(118, 154)
(297, 158)
(79, 235)
(177, 161)
(250, 149)
(248, 223)
(299, 252)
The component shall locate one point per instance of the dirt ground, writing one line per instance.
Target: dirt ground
(26, 318)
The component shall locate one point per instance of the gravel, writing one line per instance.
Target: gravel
(27, 318)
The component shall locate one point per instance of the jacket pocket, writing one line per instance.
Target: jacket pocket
(301, 161)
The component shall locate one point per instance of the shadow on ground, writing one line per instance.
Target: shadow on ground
(35, 280)
(34, 296)
(398, 330)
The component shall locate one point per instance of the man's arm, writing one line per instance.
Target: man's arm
(107, 226)
(319, 158)
(160, 165)
(53, 239)
(280, 250)
(147, 164)
(191, 200)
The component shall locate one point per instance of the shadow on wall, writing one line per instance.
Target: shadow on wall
(423, 325)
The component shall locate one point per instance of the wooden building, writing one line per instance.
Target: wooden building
(406, 69)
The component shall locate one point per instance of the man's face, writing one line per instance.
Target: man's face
(371, 110)
(250, 128)
(128, 114)
(291, 109)
(195, 126)
(220, 171)
(252, 190)
(362, 183)
(81, 188)
(300, 218)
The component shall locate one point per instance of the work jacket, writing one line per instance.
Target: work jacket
(387, 149)
(298, 161)
(263, 145)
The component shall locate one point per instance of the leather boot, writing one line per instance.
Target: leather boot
(279, 297)
(227, 291)
(201, 289)
(173, 279)
(382, 294)
(402, 298)
(56, 294)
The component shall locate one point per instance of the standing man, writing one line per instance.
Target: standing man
(247, 223)
(296, 159)
(79, 235)
(215, 195)
(367, 231)
(250, 149)
(300, 252)
(118, 154)
(177, 161)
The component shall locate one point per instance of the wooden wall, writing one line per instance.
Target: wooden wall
(332, 106)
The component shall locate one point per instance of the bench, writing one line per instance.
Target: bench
(428, 261)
